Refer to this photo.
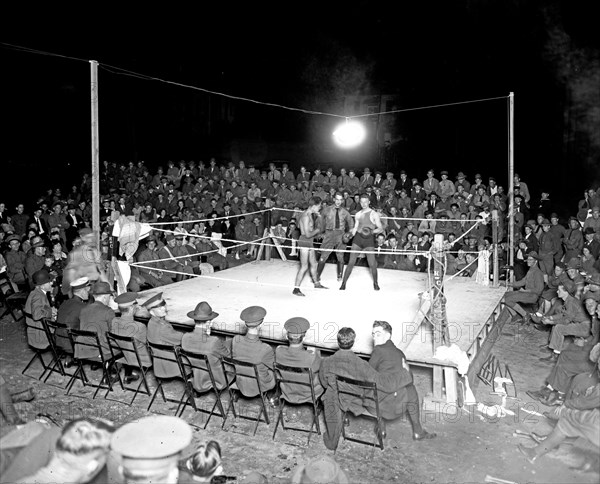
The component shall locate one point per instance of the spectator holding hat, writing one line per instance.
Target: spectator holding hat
(201, 341)
(251, 349)
(58, 220)
(37, 307)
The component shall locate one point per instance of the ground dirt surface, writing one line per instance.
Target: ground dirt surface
(470, 445)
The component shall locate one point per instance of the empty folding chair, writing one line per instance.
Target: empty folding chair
(37, 339)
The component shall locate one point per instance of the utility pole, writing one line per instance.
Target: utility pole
(511, 184)
(95, 153)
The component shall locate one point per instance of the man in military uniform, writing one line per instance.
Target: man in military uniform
(161, 332)
(151, 273)
(296, 355)
(70, 311)
(251, 349)
(172, 264)
(335, 220)
(126, 325)
(201, 341)
(37, 308)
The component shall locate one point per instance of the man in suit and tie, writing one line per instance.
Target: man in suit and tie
(38, 220)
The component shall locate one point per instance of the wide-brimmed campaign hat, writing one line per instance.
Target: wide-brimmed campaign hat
(203, 312)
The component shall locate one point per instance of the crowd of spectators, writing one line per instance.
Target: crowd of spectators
(214, 213)
(217, 210)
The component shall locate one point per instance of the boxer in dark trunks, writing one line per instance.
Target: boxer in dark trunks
(367, 224)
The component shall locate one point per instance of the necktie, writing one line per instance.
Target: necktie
(337, 218)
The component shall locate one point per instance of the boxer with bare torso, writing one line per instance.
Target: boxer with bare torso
(367, 224)
(308, 260)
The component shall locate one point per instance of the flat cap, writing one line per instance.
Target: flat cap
(253, 315)
(297, 325)
(154, 301)
(79, 283)
(12, 237)
(573, 263)
(595, 295)
(126, 299)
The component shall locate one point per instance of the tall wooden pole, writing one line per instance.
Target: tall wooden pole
(511, 184)
(95, 153)
(441, 335)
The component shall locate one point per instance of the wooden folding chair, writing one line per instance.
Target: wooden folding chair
(92, 340)
(125, 345)
(302, 379)
(235, 370)
(164, 353)
(366, 391)
(11, 301)
(41, 333)
(188, 362)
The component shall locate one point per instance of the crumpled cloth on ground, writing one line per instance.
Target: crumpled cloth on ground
(454, 354)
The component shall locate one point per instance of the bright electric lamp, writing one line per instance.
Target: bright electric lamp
(349, 134)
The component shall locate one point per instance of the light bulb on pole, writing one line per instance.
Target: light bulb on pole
(349, 134)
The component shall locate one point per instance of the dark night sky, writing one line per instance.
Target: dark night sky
(308, 55)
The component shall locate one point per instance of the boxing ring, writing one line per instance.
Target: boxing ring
(473, 310)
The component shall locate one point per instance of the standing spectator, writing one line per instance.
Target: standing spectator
(58, 220)
(523, 188)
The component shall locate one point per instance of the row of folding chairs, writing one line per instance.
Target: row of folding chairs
(188, 362)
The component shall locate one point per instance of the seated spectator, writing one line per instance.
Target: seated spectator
(15, 262)
(571, 320)
(201, 341)
(528, 290)
(297, 355)
(573, 360)
(578, 416)
(249, 348)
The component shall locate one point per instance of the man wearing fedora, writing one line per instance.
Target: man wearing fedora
(97, 317)
(35, 260)
(201, 341)
(296, 355)
(37, 307)
(161, 332)
(126, 325)
(251, 349)
(528, 290)
(366, 180)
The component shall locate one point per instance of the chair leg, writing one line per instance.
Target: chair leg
(212, 411)
(159, 387)
(279, 418)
